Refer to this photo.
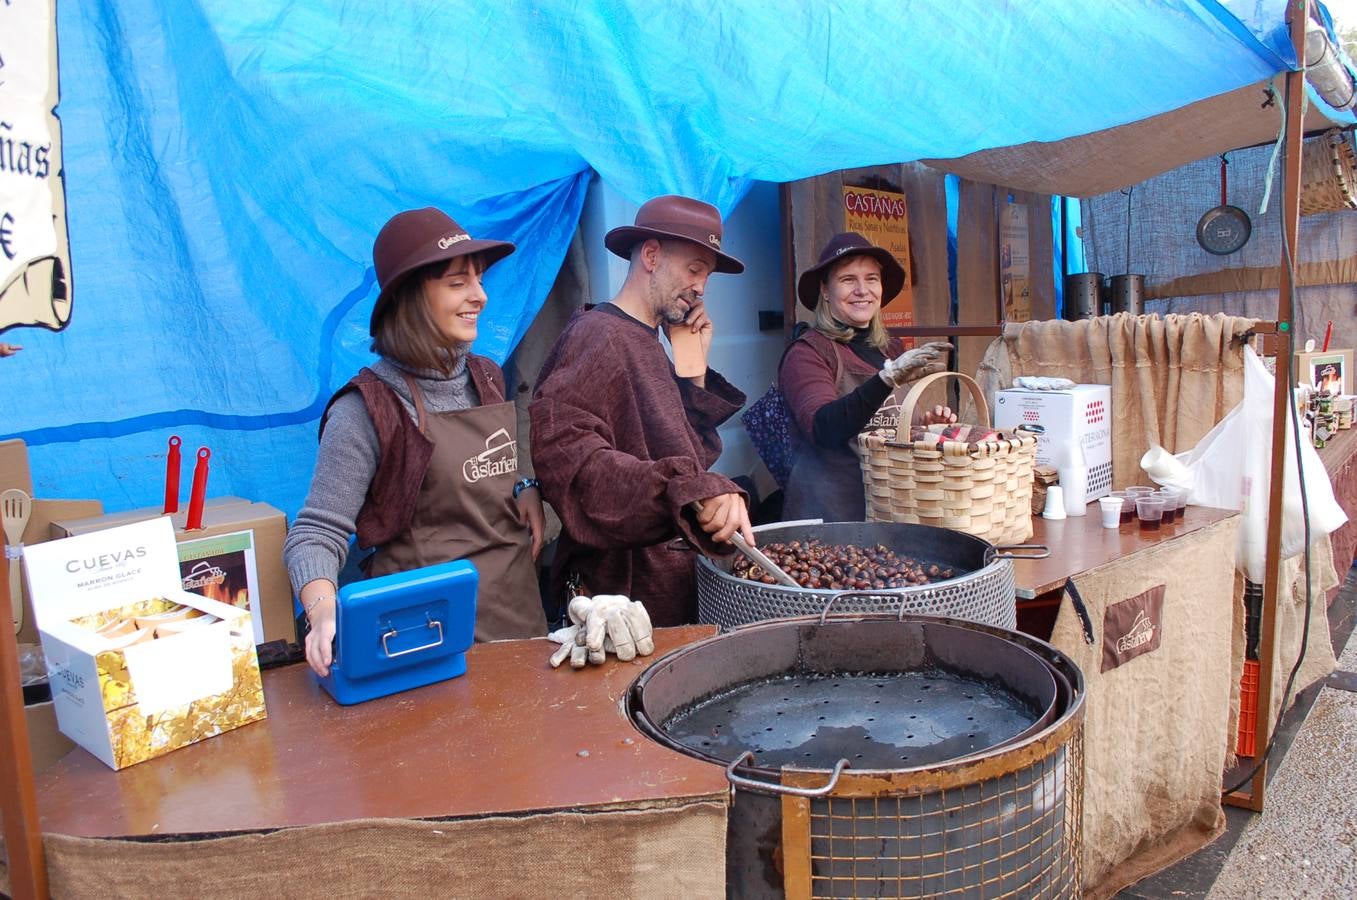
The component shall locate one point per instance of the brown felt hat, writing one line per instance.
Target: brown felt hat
(674, 218)
(416, 238)
(844, 246)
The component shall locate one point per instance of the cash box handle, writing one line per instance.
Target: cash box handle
(432, 623)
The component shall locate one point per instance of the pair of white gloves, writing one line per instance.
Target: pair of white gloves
(607, 623)
(912, 365)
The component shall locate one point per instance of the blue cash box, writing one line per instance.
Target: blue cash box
(402, 631)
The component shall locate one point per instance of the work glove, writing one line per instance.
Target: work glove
(607, 623)
(915, 364)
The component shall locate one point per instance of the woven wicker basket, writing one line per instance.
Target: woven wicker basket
(1328, 174)
(985, 491)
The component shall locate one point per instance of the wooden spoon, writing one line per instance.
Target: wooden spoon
(15, 508)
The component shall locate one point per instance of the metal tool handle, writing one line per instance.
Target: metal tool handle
(754, 554)
(768, 787)
(432, 623)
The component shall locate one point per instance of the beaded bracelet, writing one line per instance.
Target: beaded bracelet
(524, 484)
(308, 607)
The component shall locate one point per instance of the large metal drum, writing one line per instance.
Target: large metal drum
(982, 592)
(877, 757)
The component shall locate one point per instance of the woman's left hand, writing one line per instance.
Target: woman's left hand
(530, 508)
(938, 415)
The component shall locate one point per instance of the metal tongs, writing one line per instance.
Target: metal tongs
(755, 555)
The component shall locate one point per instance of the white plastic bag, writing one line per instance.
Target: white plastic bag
(1231, 468)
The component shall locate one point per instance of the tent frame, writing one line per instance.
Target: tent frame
(18, 791)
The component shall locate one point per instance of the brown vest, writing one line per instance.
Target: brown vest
(405, 451)
(444, 490)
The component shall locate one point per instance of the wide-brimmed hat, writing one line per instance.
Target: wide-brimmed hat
(674, 218)
(842, 246)
(416, 238)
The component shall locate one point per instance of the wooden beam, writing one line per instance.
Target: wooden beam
(1298, 12)
(18, 794)
(948, 331)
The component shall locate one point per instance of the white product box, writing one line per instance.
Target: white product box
(1080, 414)
(147, 685)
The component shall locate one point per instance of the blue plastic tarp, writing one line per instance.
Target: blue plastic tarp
(227, 164)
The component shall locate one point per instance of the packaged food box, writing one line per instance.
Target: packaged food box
(1079, 415)
(137, 665)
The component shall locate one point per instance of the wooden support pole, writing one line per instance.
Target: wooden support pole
(1298, 11)
(18, 795)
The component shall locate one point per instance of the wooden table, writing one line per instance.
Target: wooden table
(510, 736)
(1079, 544)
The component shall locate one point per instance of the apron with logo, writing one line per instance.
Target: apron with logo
(826, 483)
(466, 510)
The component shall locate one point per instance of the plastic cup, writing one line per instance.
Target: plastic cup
(1111, 509)
(1128, 506)
(1055, 503)
(1150, 512)
(1170, 513)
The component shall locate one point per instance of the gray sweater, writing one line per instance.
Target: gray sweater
(318, 541)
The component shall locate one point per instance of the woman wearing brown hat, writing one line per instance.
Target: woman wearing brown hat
(840, 377)
(419, 453)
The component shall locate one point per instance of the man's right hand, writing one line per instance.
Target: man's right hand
(723, 515)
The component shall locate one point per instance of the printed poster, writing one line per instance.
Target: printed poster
(1015, 289)
(222, 568)
(34, 257)
(882, 217)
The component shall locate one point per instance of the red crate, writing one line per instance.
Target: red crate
(1248, 710)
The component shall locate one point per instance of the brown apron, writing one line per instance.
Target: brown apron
(826, 483)
(466, 510)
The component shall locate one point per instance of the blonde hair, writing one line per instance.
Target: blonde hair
(832, 328)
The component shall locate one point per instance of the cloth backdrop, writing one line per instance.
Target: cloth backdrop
(1172, 377)
(227, 164)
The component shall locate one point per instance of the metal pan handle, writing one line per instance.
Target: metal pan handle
(1038, 551)
(768, 787)
(824, 613)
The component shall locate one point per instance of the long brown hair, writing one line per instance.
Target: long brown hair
(407, 333)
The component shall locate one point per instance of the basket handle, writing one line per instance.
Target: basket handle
(916, 391)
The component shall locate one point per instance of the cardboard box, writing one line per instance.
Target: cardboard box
(45, 741)
(1080, 414)
(14, 471)
(255, 576)
(38, 530)
(1328, 372)
(175, 683)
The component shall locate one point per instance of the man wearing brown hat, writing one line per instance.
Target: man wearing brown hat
(622, 442)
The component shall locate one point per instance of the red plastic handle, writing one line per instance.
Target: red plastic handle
(172, 476)
(199, 492)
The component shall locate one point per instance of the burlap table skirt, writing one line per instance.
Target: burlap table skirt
(661, 851)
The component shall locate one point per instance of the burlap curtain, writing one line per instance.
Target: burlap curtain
(1172, 377)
